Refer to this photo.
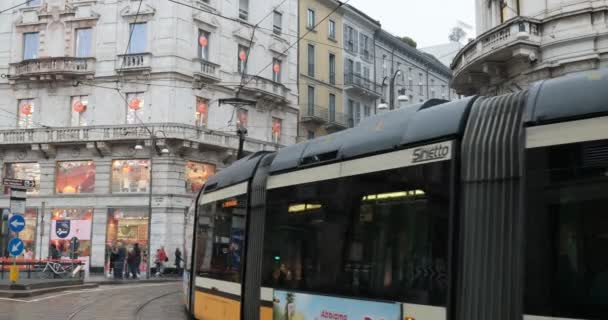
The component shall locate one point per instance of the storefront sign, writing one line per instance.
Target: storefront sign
(313, 307)
(18, 183)
(67, 229)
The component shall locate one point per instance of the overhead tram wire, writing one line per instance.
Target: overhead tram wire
(122, 64)
(15, 6)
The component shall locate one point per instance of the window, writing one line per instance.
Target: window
(30, 45)
(130, 176)
(203, 44)
(332, 107)
(362, 236)
(357, 116)
(366, 111)
(331, 32)
(26, 109)
(311, 135)
(311, 101)
(135, 108)
(420, 85)
(351, 113)
(384, 66)
(75, 177)
(311, 22)
(276, 70)
(332, 68)
(24, 171)
(220, 239)
(241, 119)
(33, 3)
(244, 9)
(443, 93)
(351, 39)
(80, 116)
(197, 174)
(311, 60)
(365, 46)
(432, 88)
(277, 26)
(242, 58)
(277, 126)
(84, 42)
(566, 231)
(67, 223)
(139, 38)
(366, 74)
(201, 114)
(129, 226)
(349, 67)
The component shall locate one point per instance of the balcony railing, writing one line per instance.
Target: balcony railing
(520, 30)
(335, 120)
(129, 133)
(356, 82)
(314, 114)
(134, 62)
(206, 70)
(53, 68)
(266, 87)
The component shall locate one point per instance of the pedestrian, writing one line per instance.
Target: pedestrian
(137, 252)
(29, 254)
(131, 265)
(119, 263)
(157, 262)
(113, 254)
(163, 259)
(178, 261)
(55, 255)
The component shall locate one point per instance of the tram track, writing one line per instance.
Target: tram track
(141, 307)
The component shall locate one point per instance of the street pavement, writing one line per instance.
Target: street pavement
(148, 301)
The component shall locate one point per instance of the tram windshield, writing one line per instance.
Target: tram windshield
(221, 239)
(381, 235)
(567, 231)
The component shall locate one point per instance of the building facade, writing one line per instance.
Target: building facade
(521, 42)
(402, 71)
(361, 91)
(114, 109)
(321, 68)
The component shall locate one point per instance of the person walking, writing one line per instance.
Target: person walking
(131, 265)
(119, 263)
(112, 255)
(157, 262)
(178, 261)
(163, 259)
(55, 254)
(137, 262)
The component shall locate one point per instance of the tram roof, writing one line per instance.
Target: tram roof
(239, 171)
(433, 120)
(569, 97)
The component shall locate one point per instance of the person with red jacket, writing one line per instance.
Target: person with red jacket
(161, 258)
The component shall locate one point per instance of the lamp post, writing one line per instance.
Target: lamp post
(391, 98)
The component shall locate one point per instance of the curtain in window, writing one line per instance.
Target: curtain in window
(138, 38)
(83, 42)
(30, 46)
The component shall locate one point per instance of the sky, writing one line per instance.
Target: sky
(428, 22)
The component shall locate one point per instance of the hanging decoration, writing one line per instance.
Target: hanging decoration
(243, 55)
(276, 68)
(135, 104)
(203, 41)
(26, 109)
(202, 107)
(79, 106)
(276, 127)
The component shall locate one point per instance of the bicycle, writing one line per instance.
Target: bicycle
(57, 269)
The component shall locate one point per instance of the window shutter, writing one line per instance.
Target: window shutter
(355, 40)
(362, 44)
(358, 68)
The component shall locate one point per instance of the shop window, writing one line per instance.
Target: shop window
(26, 108)
(127, 227)
(24, 171)
(135, 108)
(30, 45)
(197, 174)
(79, 112)
(130, 176)
(139, 37)
(75, 177)
(69, 223)
(241, 119)
(277, 127)
(201, 114)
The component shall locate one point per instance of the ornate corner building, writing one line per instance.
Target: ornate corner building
(523, 41)
(114, 109)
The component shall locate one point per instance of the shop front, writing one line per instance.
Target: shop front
(126, 227)
(71, 231)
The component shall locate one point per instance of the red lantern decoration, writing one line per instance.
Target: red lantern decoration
(203, 41)
(202, 107)
(276, 127)
(79, 106)
(126, 169)
(243, 55)
(134, 104)
(276, 68)
(26, 109)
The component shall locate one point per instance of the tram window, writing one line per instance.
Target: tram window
(567, 231)
(220, 239)
(378, 236)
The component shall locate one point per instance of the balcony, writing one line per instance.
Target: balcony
(128, 134)
(358, 85)
(205, 71)
(134, 62)
(515, 42)
(51, 69)
(335, 121)
(314, 115)
(265, 89)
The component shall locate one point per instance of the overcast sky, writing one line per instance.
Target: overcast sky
(428, 22)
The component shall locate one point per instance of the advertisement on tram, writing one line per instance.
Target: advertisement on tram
(301, 306)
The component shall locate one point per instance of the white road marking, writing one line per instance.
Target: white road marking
(68, 292)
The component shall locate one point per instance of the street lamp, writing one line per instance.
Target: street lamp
(391, 98)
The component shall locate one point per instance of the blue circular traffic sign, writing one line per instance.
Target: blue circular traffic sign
(15, 247)
(16, 223)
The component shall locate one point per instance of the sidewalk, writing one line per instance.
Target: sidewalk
(100, 279)
(33, 287)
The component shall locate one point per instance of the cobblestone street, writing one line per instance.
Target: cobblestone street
(117, 302)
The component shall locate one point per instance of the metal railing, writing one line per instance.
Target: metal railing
(60, 65)
(129, 132)
(31, 268)
(358, 81)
